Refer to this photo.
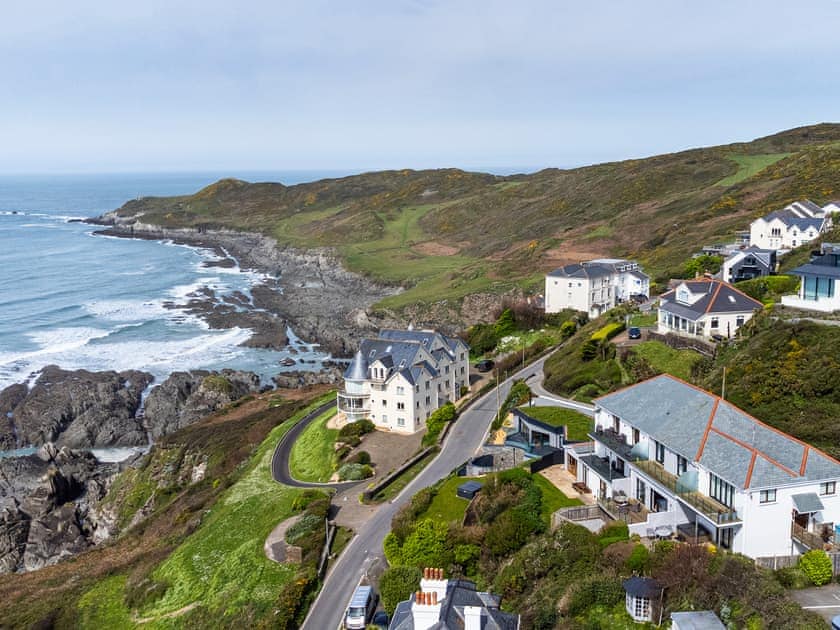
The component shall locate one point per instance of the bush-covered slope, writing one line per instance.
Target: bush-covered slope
(448, 233)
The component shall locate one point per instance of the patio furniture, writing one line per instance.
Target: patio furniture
(663, 531)
(651, 533)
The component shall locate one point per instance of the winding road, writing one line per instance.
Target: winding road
(465, 437)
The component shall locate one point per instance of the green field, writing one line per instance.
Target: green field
(552, 498)
(643, 319)
(665, 359)
(578, 424)
(749, 165)
(447, 506)
(313, 454)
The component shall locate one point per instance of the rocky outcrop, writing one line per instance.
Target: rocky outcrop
(296, 379)
(186, 397)
(45, 501)
(75, 408)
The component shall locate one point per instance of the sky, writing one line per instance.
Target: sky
(116, 86)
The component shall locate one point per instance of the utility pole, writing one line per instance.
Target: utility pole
(723, 387)
(498, 395)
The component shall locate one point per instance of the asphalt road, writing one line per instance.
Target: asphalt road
(468, 433)
(283, 450)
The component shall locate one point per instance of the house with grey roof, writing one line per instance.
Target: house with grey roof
(706, 308)
(796, 224)
(443, 604)
(818, 278)
(595, 286)
(747, 264)
(400, 377)
(686, 462)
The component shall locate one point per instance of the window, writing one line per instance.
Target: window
(427, 385)
(767, 496)
(400, 422)
(775, 231)
(739, 321)
(721, 491)
(660, 452)
(400, 391)
(641, 609)
(384, 418)
(816, 287)
(640, 491)
(715, 322)
(427, 401)
(828, 487)
(635, 436)
(417, 388)
(446, 369)
(384, 403)
(400, 406)
(616, 424)
(462, 356)
(725, 537)
(682, 464)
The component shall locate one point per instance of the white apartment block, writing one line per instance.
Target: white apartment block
(794, 225)
(595, 286)
(399, 378)
(685, 460)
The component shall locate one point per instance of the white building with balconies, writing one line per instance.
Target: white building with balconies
(670, 458)
(399, 378)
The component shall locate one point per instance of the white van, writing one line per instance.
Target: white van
(360, 609)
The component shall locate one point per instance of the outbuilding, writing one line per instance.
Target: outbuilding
(641, 593)
(468, 489)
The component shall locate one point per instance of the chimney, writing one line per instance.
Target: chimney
(434, 582)
(472, 617)
(425, 610)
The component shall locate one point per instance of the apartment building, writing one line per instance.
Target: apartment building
(595, 286)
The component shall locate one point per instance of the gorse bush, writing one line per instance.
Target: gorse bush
(354, 472)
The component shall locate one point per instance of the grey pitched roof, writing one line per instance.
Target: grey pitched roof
(807, 503)
(390, 353)
(791, 220)
(357, 370)
(703, 428)
(583, 270)
(642, 586)
(719, 297)
(427, 338)
(639, 274)
(459, 593)
(697, 620)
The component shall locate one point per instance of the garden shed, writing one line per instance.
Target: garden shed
(468, 489)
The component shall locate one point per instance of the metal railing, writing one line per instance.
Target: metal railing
(630, 511)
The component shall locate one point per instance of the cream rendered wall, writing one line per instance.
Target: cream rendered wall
(560, 295)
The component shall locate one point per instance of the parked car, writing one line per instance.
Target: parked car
(485, 365)
(360, 609)
(634, 333)
(380, 620)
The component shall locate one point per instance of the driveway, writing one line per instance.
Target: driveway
(824, 600)
(365, 549)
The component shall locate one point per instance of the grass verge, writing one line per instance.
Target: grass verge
(313, 454)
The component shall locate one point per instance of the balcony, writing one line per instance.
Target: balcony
(627, 510)
(711, 509)
(811, 540)
(601, 467)
(353, 403)
(614, 441)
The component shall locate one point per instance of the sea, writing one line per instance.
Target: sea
(75, 299)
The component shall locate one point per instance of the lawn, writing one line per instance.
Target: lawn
(553, 498)
(221, 567)
(578, 424)
(749, 165)
(665, 359)
(313, 454)
(447, 506)
(643, 319)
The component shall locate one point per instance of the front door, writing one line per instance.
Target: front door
(602, 492)
(573, 467)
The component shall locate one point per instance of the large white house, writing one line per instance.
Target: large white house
(794, 225)
(817, 291)
(706, 308)
(595, 286)
(399, 378)
(686, 461)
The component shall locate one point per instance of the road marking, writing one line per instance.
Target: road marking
(826, 606)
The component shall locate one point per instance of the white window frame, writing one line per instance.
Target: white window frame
(767, 496)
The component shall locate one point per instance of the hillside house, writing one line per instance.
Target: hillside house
(748, 263)
(818, 278)
(595, 286)
(400, 377)
(705, 307)
(794, 225)
(687, 462)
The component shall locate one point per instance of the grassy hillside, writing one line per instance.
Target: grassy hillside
(448, 233)
(197, 559)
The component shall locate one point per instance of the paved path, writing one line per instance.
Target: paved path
(282, 452)
(468, 433)
(544, 397)
(824, 600)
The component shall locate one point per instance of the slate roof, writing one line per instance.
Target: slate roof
(703, 428)
(357, 370)
(807, 503)
(791, 220)
(719, 297)
(642, 586)
(427, 338)
(459, 593)
(594, 269)
(810, 269)
(390, 353)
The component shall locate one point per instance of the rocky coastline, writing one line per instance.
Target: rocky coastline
(308, 289)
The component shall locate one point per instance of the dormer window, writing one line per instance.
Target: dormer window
(683, 295)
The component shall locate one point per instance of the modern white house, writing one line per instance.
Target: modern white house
(400, 377)
(680, 460)
(747, 264)
(817, 291)
(796, 224)
(595, 286)
(706, 308)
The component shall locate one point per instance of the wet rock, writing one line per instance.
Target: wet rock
(296, 379)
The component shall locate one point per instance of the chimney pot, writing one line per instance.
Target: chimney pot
(434, 598)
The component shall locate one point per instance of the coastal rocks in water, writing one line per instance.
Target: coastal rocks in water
(77, 409)
(186, 397)
(297, 379)
(44, 502)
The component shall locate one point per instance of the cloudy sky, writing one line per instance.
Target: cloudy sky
(169, 85)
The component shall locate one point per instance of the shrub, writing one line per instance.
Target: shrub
(638, 560)
(505, 324)
(362, 457)
(397, 584)
(306, 525)
(793, 577)
(306, 497)
(292, 599)
(482, 338)
(593, 591)
(568, 329)
(817, 566)
(607, 332)
(426, 546)
(436, 422)
(615, 529)
(354, 472)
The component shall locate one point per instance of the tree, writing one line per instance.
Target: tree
(426, 545)
(397, 584)
(699, 265)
